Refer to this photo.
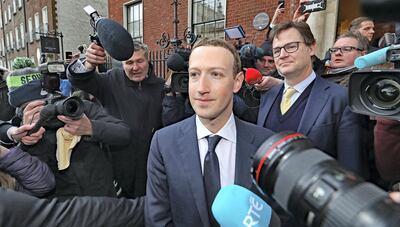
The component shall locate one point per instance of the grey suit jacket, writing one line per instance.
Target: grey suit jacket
(175, 189)
(327, 121)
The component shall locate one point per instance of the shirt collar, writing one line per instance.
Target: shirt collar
(227, 132)
(300, 87)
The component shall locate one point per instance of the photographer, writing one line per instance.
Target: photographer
(345, 50)
(133, 94)
(72, 148)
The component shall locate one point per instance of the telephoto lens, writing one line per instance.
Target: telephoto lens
(315, 189)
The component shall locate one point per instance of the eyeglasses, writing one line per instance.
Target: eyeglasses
(345, 49)
(288, 47)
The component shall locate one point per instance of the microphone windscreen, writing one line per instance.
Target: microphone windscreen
(237, 206)
(253, 76)
(115, 39)
(374, 58)
(176, 62)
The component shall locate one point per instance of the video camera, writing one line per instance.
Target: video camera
(249, 54)
(313, 187)
(179, 63)
(377, 92)
(56, 103)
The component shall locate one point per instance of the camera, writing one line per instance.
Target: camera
(249, 54)
(315, 189)
(56, 103)
(377, 92)
(179, 63)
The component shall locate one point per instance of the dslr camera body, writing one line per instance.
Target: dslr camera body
(56, 103)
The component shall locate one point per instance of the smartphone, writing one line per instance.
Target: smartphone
(281, 2)
(313, 6)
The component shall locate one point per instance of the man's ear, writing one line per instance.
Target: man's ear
(313, 47)
(238, 80)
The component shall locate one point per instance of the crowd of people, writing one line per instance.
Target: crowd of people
(139, 156)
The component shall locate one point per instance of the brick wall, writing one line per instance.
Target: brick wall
(158, 16)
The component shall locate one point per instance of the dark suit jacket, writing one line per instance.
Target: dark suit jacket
(327, 121)
(18, 209)
(175, 189)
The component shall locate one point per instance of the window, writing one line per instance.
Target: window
(1, 47)
(7, 42)
(22, 30)
(14, 6)
(11, 40)
(45, 20)
(17, 37)
(20, 4)
(9, 12)
(1, 20)
(5, 17)
(208, 18)
(135, 20)
(37, 26)
(30, 29)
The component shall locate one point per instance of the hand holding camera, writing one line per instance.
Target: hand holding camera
(79, 127)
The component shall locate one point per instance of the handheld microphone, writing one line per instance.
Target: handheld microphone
(176, 62)
(114, 38)
(374, 58)
(253, 76)
(237, 206)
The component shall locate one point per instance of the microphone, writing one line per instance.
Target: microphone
(176, 62)
(114, 38)
(253, 76)
(374, 58)
(237, 206)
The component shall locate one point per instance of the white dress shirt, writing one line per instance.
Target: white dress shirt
(300, 87)
(225, 150)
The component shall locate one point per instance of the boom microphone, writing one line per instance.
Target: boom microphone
(253, 76)
(235, 206)
(374, 58)
(114, 38)
(176, 62)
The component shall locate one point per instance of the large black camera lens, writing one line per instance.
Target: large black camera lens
(382, 93)
(72, 107)
(313, 187)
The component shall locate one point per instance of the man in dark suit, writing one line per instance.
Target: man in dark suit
(308, 104)
(181, 162)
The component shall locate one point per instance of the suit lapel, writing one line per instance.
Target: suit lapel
(189, 151)
(267, 99)
(315, 104)
(244, 151)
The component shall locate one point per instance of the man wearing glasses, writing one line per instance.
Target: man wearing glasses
(346, 49)
(307, 103)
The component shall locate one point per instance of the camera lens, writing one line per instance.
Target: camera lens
(313, 187)
(384, 94)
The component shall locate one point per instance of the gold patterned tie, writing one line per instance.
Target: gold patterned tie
(285, 104)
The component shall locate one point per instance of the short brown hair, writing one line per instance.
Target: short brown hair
(301, 27)
(356, 23)
(362, 40)
(224, 44)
